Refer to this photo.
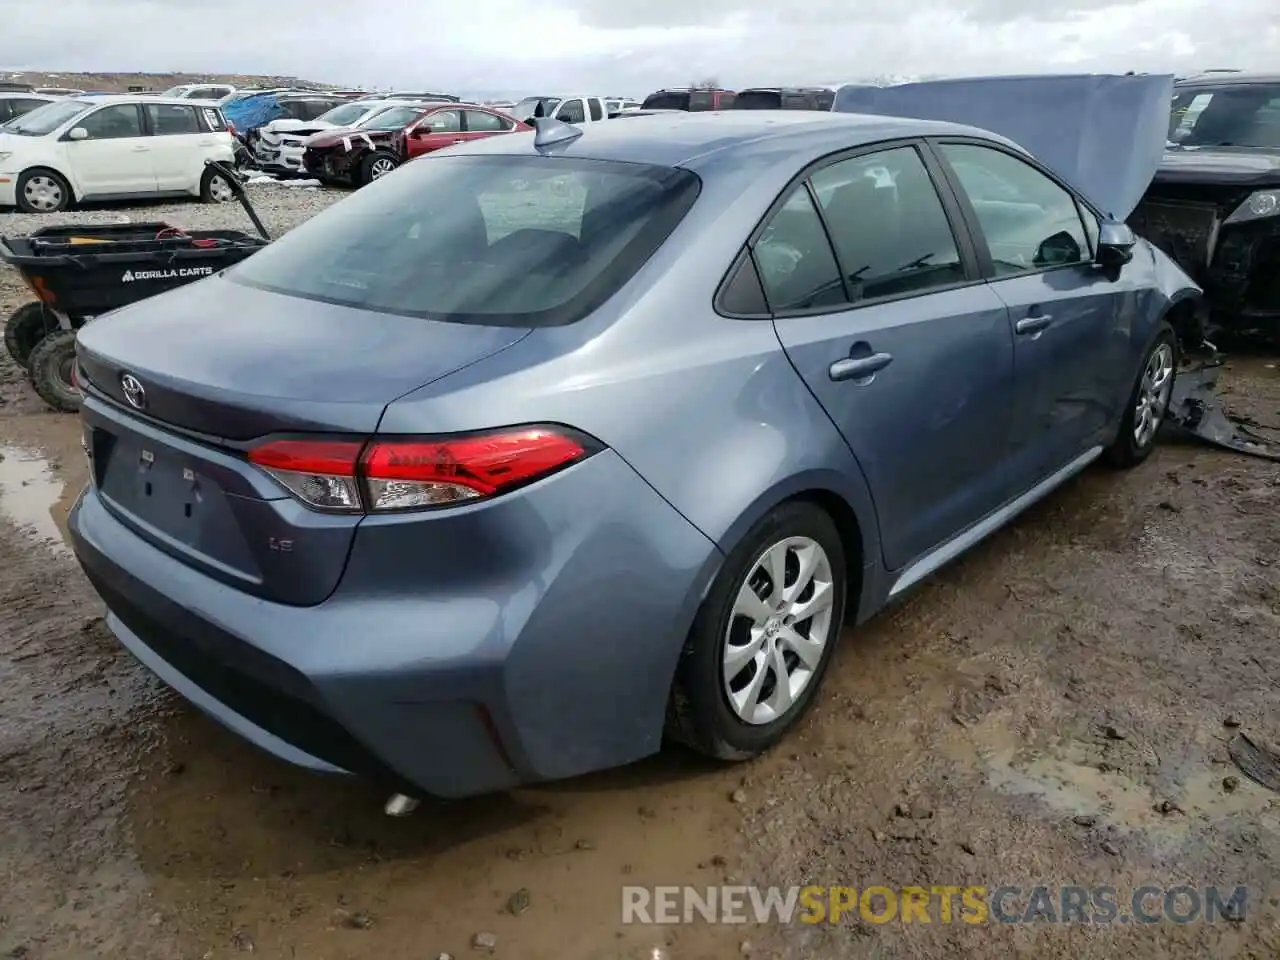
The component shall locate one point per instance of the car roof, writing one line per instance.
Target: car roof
(1222, 79)
(101, 98)
(29, 94)
(699, 140)
(785, 90)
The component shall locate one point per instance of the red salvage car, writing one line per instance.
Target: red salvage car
(360, 155)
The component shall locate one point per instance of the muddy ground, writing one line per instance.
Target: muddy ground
(1022, 719)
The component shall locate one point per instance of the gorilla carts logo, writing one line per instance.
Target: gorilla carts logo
(132, 275)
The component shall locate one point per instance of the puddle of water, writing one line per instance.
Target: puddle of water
(1065, 776)
(28, 492)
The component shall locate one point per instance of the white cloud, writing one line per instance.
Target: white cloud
(634, 46)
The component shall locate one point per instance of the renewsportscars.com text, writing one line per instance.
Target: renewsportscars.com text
(935, 904)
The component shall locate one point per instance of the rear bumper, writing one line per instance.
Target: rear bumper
(545, 665)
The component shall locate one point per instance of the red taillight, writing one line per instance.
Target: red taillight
(409, 474)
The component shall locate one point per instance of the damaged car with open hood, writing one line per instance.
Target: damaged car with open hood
(1214, 204)
(545, 449)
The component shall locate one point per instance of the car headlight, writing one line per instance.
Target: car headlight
(1261, 204)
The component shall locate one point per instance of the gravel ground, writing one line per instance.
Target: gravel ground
(1054, 708)
(280, 207)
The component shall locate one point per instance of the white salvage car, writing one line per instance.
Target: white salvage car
(113, 148)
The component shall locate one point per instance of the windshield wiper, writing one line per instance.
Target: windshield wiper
(917, 263)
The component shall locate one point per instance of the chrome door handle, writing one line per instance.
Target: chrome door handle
(459, 140)
(141, 149)
(856, 368)
(1033, 324)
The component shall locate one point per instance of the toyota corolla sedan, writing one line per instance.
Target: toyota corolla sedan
(550, 446)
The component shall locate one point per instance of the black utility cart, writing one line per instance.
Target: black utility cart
(78, 272)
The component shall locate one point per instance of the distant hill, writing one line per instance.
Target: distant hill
(121, 82)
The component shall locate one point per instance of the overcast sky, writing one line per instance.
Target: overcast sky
(629, 46)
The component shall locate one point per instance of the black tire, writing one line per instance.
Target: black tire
(1126, 450)
(57, 182)
(50, 368)
(371, 164)
(211, 192)
(24, 329)
(699, 713)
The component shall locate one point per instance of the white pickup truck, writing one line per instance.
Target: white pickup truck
(575, 109)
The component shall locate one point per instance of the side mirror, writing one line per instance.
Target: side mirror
(78, 133)
(1115, 243)
(1058, 249)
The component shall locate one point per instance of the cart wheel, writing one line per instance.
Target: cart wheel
(215, 189)
(375, 166)
(50, 367)
(23, 330)
(43, 191)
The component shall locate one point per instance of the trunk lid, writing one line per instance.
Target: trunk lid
(221, 364)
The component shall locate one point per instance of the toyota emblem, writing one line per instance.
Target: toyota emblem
(133, 391)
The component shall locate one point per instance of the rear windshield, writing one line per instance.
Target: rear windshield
(666, 101)
(347, 113)
(501, 240)
(1247, 115)
(758, 100)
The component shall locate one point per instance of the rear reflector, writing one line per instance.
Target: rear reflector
(411, 474)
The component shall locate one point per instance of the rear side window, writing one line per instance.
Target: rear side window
(888, 225)
(758, 100)
(498, 240)
(481, 122)
(170, 119)
(797, 268)
(212, 120)
(666, 101)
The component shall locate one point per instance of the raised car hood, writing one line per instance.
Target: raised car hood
(1104, 134)
(1225, 166)
(327, 138)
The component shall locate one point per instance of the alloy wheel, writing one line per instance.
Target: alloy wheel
(380, 168)
(778, 631)
(1153, 395)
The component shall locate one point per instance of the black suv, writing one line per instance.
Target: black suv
(785, 98)
(1214, 205)
(687, 98)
